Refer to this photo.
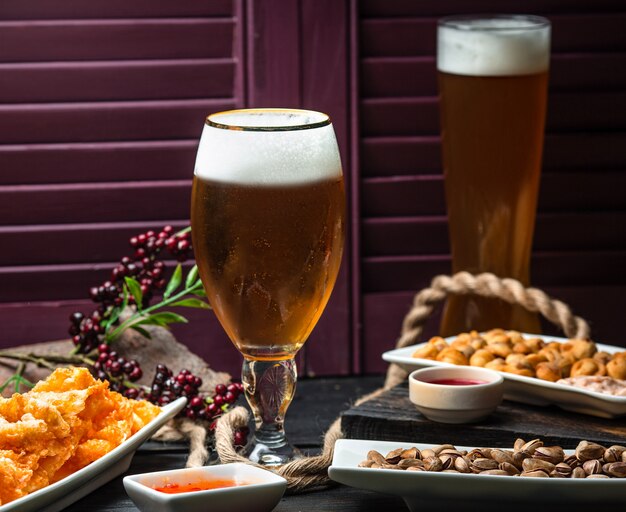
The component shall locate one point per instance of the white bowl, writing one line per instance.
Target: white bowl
(262, 493)
(464, 403)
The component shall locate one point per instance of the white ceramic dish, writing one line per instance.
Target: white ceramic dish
(422, 490)
(530, 390)
(63, 493)
(262, 492)
(465, 403)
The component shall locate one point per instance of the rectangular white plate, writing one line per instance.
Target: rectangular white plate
(530, 390)
(421, 490)
(63, 493)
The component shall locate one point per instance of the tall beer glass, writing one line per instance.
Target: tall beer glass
(493, 76)
(267, 219)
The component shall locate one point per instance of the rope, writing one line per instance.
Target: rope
(308, 473)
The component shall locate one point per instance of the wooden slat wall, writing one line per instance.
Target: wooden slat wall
(101, 107)
(580, 241)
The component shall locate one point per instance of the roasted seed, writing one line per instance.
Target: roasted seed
(531, 446)
(447, 461)
(531, 464)
(501, 456)
(483, 464)
(616, 469)
(409, 463)
(553, 454)
(366, 464)
(496, 472)
(411, 453)
(578, 472)
(519, 442)
(433, 464)
(535, 473)
(375, 456)
(438, 449)
(562, 470)
(462, 465)
(598, 475)
(393, 457)
(614, 453)
(509, 468)
(592, 467)
(588, 451)
(427, 453)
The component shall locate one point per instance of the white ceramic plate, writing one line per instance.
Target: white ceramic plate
(63, 493)
(454, 491)
(530, 390)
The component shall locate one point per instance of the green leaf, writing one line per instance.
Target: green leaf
(135, 289)
(191, 303)
(141, 331)
(175, 281)
(198, 292)
(163, 319)
(192, 277)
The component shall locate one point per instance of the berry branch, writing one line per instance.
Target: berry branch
(134, 282)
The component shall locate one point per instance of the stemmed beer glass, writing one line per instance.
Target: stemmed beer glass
(267, 218)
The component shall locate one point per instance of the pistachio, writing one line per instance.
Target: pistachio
(531, 464)
(588, 451)
(535, 473)
(449, 471)
(519, 457)
(476, 453)
(393, 457)
(495, 472)
(598, 475)
(483, 464)
(624, 456)
(427, 453)
(572, 461)
(519, 442)
(462, 465)
(432, 464)
(375, 465)
(592, 467)
(578, 472)
(553, 454)
(409, 463)
(614, 453)
(453, 452)
(366, 464)
(411, 453)
(447, 461)
(616, 469)
(501, 456)
(531, 446)
(561, 470)
(375, 456)
(438, 449)
(416, 468)
(509, 468)
(391, 466)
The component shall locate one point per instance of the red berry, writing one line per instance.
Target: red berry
(218, 400)
(196, 402)
(220, 389)
(229, 397)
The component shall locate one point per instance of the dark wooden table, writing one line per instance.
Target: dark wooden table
(317, 403)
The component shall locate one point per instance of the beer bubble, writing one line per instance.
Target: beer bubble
(268, 147)
(499, 46)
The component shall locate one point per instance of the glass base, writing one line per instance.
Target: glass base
(271, 455)
(269, 387)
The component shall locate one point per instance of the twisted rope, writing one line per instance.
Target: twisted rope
(309, 473)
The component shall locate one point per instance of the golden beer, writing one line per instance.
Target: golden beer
(267, 219)
(268, 257)
(493, 94)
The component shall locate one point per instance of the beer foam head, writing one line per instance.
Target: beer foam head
(268, 147)
(493, 46)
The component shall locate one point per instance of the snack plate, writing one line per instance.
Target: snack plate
(530, 390)
(63, 493)
(422, 490)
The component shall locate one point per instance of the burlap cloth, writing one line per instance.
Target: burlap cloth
(309, 473)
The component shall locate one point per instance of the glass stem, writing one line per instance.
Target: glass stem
(269, 388)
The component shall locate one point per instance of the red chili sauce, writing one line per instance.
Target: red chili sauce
(201, 485)
(457, 382)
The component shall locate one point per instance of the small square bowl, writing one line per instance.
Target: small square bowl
(476, 394)
(261, 493)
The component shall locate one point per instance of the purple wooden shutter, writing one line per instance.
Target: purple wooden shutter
(580, 245)
(102, 106)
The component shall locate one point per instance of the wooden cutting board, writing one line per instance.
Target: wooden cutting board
(392, 417)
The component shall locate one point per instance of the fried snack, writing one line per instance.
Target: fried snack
(61, 425)
(587, 366)
(616, 368)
